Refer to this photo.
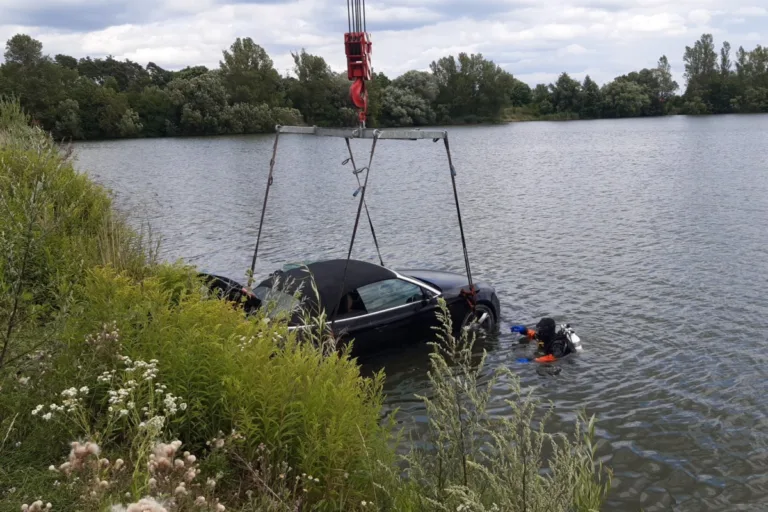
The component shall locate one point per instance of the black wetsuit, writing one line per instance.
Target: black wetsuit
(550, 340)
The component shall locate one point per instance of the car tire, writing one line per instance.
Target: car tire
(482, 318)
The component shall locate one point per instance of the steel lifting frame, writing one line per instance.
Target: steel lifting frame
(375, 135)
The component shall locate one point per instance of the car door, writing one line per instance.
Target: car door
(392, 307)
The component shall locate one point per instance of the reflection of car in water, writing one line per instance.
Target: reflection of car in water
(379, 308)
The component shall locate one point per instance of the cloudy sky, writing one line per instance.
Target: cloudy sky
(533, 39)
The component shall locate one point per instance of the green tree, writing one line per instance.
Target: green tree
(471, 88)
(700, 69)
(155, 109)
(124, 75)
(648, 80)
(317, 92)
(129, 125)
(591, 101)
(101, 109)
(21, 49)
(159, 76)
(667, 85)
(404, 107)
(190, 72)
(421, 83)
(38, 82)
(68, 120)
(379, 82)
(519, 93)
(624, 98)
(248, 74)
(565, 94)
(725, 59)
(202, 102)
(66, 61)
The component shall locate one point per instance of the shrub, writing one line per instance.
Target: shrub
(310, 410)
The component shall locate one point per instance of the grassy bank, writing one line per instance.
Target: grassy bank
(125, 386)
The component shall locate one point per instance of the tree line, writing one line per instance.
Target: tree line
(92, 98)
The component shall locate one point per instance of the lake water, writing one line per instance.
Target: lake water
(649, 236)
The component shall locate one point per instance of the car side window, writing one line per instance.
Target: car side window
(390, 293)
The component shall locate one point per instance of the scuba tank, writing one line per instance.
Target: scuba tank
(574, 342)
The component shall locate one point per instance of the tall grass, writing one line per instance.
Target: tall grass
(474, 461)
(54, 224)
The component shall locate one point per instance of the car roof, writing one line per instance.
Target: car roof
(328, 277)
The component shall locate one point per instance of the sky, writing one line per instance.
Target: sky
(535, 40)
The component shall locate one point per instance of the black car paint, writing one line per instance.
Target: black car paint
(389, 330)
(417, 324)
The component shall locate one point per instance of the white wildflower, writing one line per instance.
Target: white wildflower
(37, 409)
(123, 412)
(84, 390)
(46, 416)
(69, 393)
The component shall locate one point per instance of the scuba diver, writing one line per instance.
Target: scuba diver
(552, 343)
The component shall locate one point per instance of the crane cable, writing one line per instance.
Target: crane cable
(356, 21)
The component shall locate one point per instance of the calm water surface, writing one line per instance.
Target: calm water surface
(649, 236)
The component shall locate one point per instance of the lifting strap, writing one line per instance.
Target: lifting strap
(472, 292)
(264, 208)
(357, 172)
(354, 230)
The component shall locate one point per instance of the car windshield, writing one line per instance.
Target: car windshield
(276, 302)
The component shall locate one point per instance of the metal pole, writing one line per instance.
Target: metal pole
(264, 206)
(367, 213)
(458, 211)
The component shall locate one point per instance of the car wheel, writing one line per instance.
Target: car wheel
(480, 320)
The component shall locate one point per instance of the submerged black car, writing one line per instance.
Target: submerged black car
(377, 307)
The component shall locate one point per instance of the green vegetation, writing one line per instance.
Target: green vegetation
(125, 386)
(106, 98)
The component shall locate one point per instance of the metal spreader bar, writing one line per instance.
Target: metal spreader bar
(363, 133)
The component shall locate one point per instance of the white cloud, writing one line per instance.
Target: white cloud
(573, 49)
(700, 16)
(752, 11)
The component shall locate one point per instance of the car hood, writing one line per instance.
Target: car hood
(445, 281)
